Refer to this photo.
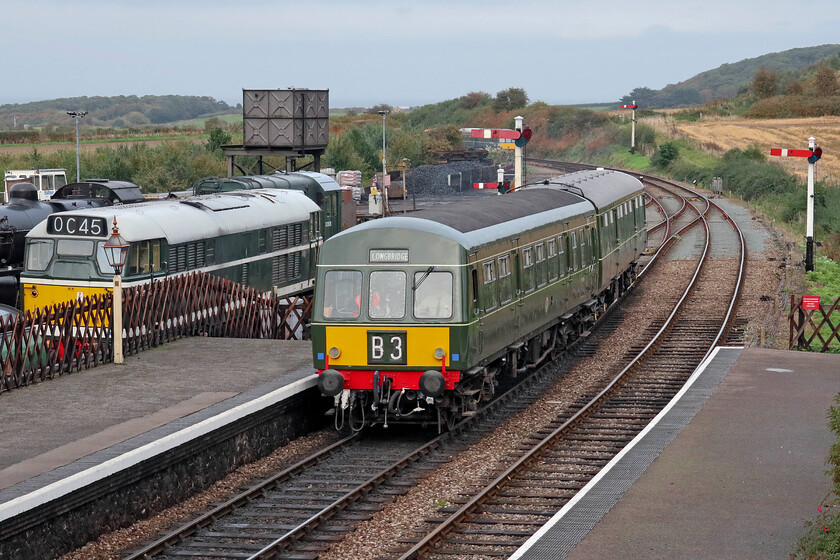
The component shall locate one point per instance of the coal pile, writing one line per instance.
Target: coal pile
(433, 180)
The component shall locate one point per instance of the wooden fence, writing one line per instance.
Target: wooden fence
(76, 335)
(814, 329)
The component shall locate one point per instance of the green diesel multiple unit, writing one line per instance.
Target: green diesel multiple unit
(416, 318)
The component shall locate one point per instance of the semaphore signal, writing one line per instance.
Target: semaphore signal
(632, 106)
(813, 153)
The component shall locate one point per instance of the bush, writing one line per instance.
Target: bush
(687, 171)
(792, 106)
(510, 99)
(665, 154)
(568, 120)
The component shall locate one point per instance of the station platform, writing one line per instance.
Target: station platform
(731, 469)
(61, 434)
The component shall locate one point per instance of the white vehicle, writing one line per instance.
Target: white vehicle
(46, 180)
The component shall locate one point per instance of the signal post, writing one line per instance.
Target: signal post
(520, 137)
(632, 125)
(813, 153)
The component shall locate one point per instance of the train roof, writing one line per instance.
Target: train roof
(199, 217)
(304, 181)
(601, 186)
(124, 192)
(476, 222)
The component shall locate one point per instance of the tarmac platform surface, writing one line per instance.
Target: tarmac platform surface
(51, 425)
(743, 467)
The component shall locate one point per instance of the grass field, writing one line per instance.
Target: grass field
(718, 135)
(85, 147)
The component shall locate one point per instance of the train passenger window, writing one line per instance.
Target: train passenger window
(552, 264)
(539, 249)
(489, 272)
(505, 280)
(504, 266)
(562, 262)
(74, 248)
(387, 294)
(433, 295)
(527, 257)
(39, 253)
(342, 294)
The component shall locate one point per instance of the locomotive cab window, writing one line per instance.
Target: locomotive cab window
(386, 299)
(102, 261)
(433, 295)
(74, 248)
(143, 258)
(342, 294)
(39, 253)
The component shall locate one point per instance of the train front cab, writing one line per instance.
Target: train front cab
(387, 338)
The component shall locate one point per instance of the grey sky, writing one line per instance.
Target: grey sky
(395, 52)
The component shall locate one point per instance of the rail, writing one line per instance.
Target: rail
(434, 538)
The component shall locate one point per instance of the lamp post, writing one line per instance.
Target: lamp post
(116, 252)
(384, 171)
(76, 116)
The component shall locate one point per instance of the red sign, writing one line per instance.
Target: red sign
(629, 106)
(784, 152)
(810, 302)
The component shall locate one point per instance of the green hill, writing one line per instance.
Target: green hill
(728, 80)
(118, 111)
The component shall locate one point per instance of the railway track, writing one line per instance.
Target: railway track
(307, 508)
(499, 514)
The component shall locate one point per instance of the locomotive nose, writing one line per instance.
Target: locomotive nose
(330, 382)
(432, 383)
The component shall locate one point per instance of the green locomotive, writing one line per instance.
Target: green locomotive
(336, 213)
(416, 318)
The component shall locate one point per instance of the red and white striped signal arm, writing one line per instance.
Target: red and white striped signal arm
(629, 106)
(494, 133)
(784, 152)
